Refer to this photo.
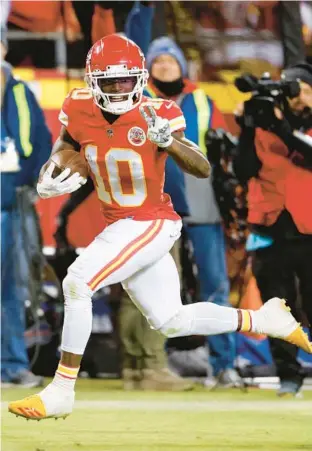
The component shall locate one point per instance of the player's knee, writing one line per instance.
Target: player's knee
(74, 287)
(177, 326)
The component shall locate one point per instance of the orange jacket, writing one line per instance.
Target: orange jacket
(43, 16)
(279, 185)
(103, 23)
(38, 16)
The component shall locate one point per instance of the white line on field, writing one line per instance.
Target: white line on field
(216, 406)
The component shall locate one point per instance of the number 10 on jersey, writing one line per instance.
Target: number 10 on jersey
(112, 158)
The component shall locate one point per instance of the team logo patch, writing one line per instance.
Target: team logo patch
(136, 136)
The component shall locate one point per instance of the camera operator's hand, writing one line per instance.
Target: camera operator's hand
(239, 114)
(239, 110)
(278, 113)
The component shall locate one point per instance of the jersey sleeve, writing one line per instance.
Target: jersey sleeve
(173, 113)
(168, 109)
(67, 117)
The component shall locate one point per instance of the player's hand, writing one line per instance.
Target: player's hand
(52, 187)
(158, 131)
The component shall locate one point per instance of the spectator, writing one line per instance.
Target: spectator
(238, 34)
(25, 145)
(139, 23)
(96, 20)
(42, 17)
(100, 18)
(275, 157)
(194, 198)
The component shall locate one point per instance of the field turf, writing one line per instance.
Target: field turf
(108, 419)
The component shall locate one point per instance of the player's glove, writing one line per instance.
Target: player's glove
(52, 187)
(158, 131)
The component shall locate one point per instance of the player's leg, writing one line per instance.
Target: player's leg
(121, 250)
(156, 292)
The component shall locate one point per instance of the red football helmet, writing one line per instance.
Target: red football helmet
(115, 56)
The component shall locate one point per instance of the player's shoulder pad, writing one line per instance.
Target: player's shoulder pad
(168, 109)
(79, 100)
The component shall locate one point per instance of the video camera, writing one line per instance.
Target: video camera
(266, 94)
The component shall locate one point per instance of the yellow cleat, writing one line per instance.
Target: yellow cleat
(274, 318)
(49, 403)
(31, 408)
(299, 338)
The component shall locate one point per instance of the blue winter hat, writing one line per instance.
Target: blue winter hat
(166, 46)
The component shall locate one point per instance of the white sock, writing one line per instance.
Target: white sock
(65, 377)
(211, 319)
(78, 315)
(205, 318)
(77, 326)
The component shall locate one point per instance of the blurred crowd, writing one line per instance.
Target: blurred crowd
(237, 229)
(213, 35)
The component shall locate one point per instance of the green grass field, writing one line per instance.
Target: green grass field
(108, 419)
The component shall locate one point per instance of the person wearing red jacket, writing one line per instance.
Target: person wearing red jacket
(276, 160)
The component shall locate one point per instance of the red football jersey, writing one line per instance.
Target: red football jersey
(127, 169)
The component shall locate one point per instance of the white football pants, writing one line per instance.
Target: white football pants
(136, 253)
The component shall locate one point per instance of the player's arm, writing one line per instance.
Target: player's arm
(188, 156)
(65, 141)
(71, 124)
(64, 183)
(184, 152)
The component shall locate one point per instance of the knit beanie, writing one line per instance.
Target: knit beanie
(166, 46)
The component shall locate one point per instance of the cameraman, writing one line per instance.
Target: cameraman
(275, 158)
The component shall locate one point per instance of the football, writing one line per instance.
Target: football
(67, 158)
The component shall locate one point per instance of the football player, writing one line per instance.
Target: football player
(125, 138)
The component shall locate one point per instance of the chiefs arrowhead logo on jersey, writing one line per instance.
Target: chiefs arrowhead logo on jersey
(136, 136)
